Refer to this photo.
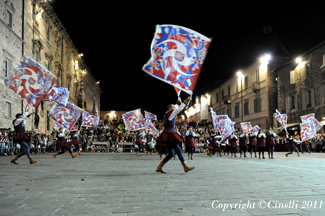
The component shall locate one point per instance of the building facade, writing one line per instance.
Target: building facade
(245, 97)
(301, 87)
(31, 28)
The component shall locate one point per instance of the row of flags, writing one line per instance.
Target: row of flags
(133, 120)
(34, 83)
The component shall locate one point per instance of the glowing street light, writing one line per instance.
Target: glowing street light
(298, 60)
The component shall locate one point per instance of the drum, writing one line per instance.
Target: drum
(151, 145)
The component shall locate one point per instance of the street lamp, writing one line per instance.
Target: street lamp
(240, 76)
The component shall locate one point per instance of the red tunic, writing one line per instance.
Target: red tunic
(190, 141)
(261, 142)
(243, 141)
(252, 140)
(269, 139)
(61, 143)
(233, 142)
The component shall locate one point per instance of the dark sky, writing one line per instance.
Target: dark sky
(115, 38)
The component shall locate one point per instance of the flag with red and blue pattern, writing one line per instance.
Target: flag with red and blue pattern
(133, 120)
(307, 130)
(282, 119)
(66, 116)
(311, 117)
(31, 81)
(58, 94)
(89, 120)
(246, 127)
(150, 127)
(150, 115)
(177, 55)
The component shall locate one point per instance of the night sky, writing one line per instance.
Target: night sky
(115, 38)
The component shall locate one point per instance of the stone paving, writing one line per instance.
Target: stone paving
(122, 184)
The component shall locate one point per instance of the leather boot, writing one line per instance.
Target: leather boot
(191, 157)
(287, 154)
(31, 161)
(251, 154)
(159, 168)
(244, 154)
(309, 152)
(151, 152)
(55, 154)
(272, 156)
(255, 155)
(79, 153)
(298, 155)
(138, 153)
(160, 157)
(269, 156)
(187, 167)
(14, 160)
(259, 156)
(263, 156)
(188, 156)
(73, 155)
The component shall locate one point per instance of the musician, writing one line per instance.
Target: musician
(190, 142)
(261, 144)
(171, 137)
(233, 143)
(270, 142)
(305, 146)
(139, 142)
(243, 143)
(253, 142)
(63, 144)
(291, 145)
(21, 137)
(149, 138)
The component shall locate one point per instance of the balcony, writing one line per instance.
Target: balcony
(256, 86)
(226, 99)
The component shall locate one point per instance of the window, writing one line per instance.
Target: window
(292, 77)
(246, 112)
(229, 112)
(9, 19)
(257, 75)
(8, 110)
(7, 67)
(236, 110)
(257, 105)
(246, 82)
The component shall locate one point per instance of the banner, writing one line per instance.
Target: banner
(66, 116)
(31, 81)
(58, 94)
(177, 55)
(311, 117)
(150, 127)
(282, 119)
(133, 120)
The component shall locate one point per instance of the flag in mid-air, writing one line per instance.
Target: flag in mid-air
(31, 81)
(133, 120)
(307, 130)
(150, 115)
(311, 117)
(246, 127)
(89, 120)
(150, 127)
(66, 116)
(177, 55)
(58, 94)
(282, 119)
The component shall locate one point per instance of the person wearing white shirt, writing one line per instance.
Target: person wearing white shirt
(253, 142)
(21, 137)
(291, 145)
(62, 144)
(190, 142)
(261, 143)
(233, 143)
(270, 142)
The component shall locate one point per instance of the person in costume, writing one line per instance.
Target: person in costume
(233, 143)
(75, 141)
(63, 144)
(243, 143)
(253, 142)
(305, 146)
(261, 144)
(213, 144)
(291, 145)
(190, 142)
(139, 141)
(149, 138)
(171, 137)
(270, 142)
(21, 137)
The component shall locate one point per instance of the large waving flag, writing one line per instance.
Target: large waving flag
(223, 124)
(133, 120)
(66, 116)
(246, 127)
(177, 55)
(150, 115)
(282, 119)
(58, 94)
(89, 120)
(311, 117)
(31, 81)
(307, 130)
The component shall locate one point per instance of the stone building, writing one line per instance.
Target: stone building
(245, 97)
(34, 30)
(301, 87)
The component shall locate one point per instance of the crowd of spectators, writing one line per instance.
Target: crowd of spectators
(110, 136)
